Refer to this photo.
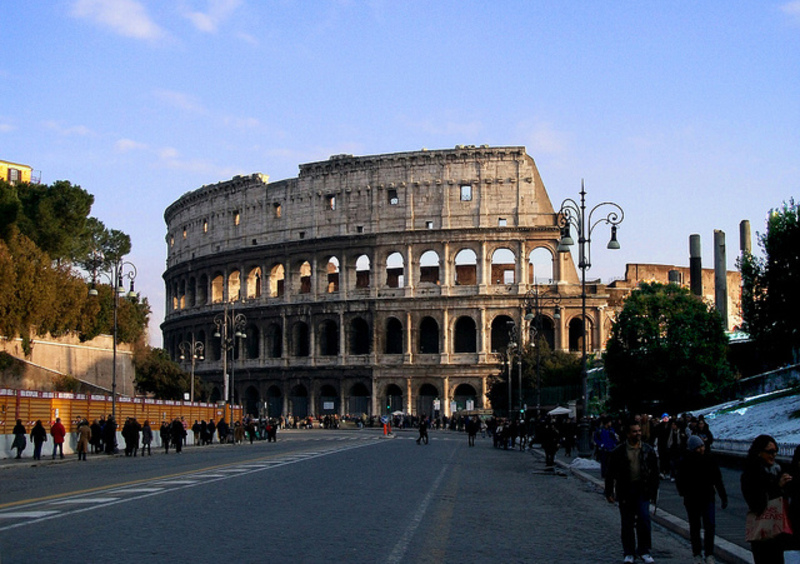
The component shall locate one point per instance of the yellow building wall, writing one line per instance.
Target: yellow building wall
(15, 172)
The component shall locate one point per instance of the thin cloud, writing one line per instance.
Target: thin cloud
(128, 18)
(792, 9)
(542, 138)
(218, 11)
(247, 38)
(180, 100)
(169, 157)
(6, 127)
(127, 145)
(79, 130)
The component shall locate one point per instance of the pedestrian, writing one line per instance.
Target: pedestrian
(550, 441)
(211, 429)
(472, 429)
(605, 441)
(58, 433)
(110, 435)
(164, 433)
(97, 437)
(196, 428)
(20, 441)
(147, 438)
(698, 481)
(763, 482)
(701, 430)
(793, 553)
(423, 431)
(38, 438)
(84, 438)
(177, 435)
(632, 479)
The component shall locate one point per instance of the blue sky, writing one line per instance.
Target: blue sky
(687, 114)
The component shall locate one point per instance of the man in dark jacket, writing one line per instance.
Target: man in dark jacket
(632, 480)
(698, 481)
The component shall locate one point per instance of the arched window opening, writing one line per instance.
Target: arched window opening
(395, 274)
(504, 266)
(465, 397)
(362, 272)
(182, 294)
(359, 337)
(300, 340)
(254, 283)
(275, 341)
(191, 295)
(298, 399)
(466, 268)
(501, 328)
(328, 400)
(541, 266)
(547, 332)
(305, 278)
(332, 269)
(394, 400)
(252, 401)
(202, 291)
(217, 288)
(429, 267)
(428, 336)
(576, 334)
(425, 400)
(328, 338)
(252, 342)
(466, 336)
(234, 286)
(358, 402)
(276, 281)
(394, 336)
(274, 402)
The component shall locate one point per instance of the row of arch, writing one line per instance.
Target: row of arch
(354, 400)
(251, 283)
(325, 337)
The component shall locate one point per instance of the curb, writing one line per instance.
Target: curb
(724, 550)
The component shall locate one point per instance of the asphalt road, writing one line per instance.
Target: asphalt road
(314, 496)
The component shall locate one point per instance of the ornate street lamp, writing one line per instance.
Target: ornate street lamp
(230, 327)
(512, 348)
(195, 350)
(573, 215)
(117, 278)
(534, 302)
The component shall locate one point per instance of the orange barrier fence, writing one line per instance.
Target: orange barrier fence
(29, 406)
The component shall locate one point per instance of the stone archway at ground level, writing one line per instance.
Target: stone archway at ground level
(393, 399)
(358, 401)
(274, 402)
(425, 400)
(298, 401)
(466, 397)
(252, 401)
(328, 400)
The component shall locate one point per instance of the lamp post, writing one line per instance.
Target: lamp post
(513, 346)
(195, 349)
(230, 326)
(574, 215)
(533, 302)
(117, 277)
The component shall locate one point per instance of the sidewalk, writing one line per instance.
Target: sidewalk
(670, 513)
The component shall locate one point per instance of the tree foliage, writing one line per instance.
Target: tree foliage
(158, 375)
(667, 347)
(770, 298)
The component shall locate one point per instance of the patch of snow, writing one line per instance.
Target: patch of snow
(746, 423)
(584, 464)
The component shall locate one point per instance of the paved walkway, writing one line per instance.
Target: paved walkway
(730, 544)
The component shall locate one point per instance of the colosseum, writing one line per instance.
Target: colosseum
(372, 284)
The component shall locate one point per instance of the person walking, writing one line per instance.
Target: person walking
(177, 435)
(632, 479)
(473, 424)
(20, 441)
(763, 482)
(58, 433)
(110, 435)
(84, 437)
(164, 432)
(147, 438)
(698, 481)
(38, 438)
(423, 430)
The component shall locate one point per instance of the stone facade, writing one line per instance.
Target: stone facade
(372, 284)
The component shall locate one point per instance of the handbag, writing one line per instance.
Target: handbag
(771, 523)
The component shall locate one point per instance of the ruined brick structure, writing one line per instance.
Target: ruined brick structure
(372, 284)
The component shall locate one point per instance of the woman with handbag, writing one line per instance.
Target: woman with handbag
(763, 483)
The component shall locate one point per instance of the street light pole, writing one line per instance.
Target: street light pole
(574, 215)
(230, 326)
(533, 303)
(195, 349)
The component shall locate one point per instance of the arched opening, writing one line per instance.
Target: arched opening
(300, 339)
(427, 395)
(504, 267)
(277, 281)
(254, 283)
(466, 336)
(182, 294)
(466, 268)
(274, 402)
(395, 274)
(429, 268)
(394, 399)
(217, 288)
(501, 327)
(362, 272)
(252, 342)
(305, 278)
(298, 401)
(394, 336)
(359, 336)
(202, 291)
(191, 295)
(465, 397)
(541, 266)
(576, 334)
(251, 401)
(328, 338)
(234, 286)
(332, 269)
(274, 341)
(328, 400)
(216, 348)
(428, 336)
(358, 402)
(544, 328)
